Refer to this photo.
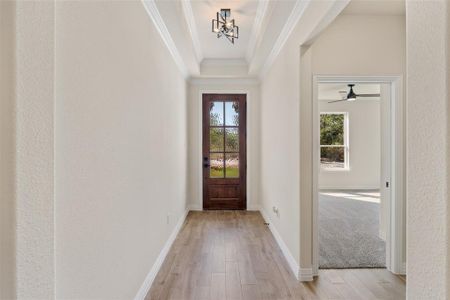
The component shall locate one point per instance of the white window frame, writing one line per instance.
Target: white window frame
(346, 143)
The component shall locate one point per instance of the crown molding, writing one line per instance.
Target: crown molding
(155, 16)
(256, 28)
(190, 20)
(224, 62)
(294, 17)
(224, 80)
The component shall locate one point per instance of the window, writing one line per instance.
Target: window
(334, 141)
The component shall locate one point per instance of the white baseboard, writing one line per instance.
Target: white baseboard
(195, 207)
(305, 274)
(287, 254)
(159, 260)
(254, 207)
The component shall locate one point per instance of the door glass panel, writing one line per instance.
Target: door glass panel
(216, 114)
(232, 165)
(216, 168)
(216, 139)
(232, 113)
(232, 139)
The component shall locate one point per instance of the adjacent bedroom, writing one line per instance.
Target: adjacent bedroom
(351, 213)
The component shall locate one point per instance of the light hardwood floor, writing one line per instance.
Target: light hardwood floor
(233, 255)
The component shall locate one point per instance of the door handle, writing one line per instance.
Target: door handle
(205, 162)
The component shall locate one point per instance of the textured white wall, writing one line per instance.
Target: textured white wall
(280, 147)
(7, 148)
(364, 146)
(428, 156)
(120, 147)
(195, 137)
(377, 48)
(34, 149)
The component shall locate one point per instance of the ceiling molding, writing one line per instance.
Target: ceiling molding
(219, 81)
(256, 28)
(294, 17)
(190, 20)
(224, 62)
(152, 10)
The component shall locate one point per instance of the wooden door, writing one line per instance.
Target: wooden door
(224, 151)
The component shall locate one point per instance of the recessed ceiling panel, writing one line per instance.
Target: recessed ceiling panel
(243, 12)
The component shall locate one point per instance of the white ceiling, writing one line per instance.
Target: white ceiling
(243, 12)
(264, 27)
(330, 91)
(378, 7)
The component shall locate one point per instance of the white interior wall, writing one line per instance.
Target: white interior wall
(7, 148)
(280, 148)
(377, 48)
(34, 169)
(428, 61)
(364, 146)
(120, 146)
(195, 164)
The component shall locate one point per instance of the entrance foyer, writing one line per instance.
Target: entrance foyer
(232, 255)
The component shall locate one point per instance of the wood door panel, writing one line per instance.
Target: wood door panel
(224, 151)
(224, 191)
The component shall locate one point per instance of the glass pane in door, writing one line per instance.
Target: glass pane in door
(216, 113)
(232, 165)
(232, 113)
(216, 165)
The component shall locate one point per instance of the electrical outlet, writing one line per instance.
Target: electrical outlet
(275, 209)
(168, 219)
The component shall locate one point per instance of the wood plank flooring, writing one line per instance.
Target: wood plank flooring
(233, 255)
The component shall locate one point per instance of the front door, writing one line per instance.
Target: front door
(224, 151)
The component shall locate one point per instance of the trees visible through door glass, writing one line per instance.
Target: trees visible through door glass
(232, 113)
(232, 139)
(216, 113)
(216, 139)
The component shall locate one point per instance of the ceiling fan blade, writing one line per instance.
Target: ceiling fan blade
(367, 95)
(337, 101)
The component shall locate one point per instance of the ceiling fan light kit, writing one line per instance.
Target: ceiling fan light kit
(223, 26)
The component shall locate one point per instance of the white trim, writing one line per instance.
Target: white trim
(395, 230)
(305, 274)
(153, 12)
(254, 207)
(295, 268)
(195, 207)
(143, 291)
(294, 17)
(256, 29)
(190, 20)
(223, 81)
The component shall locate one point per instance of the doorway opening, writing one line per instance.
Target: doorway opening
(358, 199)
(224, 151)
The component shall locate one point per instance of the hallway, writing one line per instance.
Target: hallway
(232, 255)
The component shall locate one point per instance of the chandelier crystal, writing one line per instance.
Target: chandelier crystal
(223, 26)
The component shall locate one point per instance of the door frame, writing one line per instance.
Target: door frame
(249, 147)
(396, 219)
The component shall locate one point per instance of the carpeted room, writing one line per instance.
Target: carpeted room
(351, 215)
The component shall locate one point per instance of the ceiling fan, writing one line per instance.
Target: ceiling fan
(351, 95)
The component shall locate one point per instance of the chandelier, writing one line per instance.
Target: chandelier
(223, 26)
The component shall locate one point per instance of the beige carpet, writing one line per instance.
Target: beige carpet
(348, 230)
